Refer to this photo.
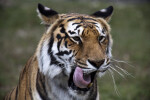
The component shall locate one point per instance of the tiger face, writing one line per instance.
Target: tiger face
(75, 49)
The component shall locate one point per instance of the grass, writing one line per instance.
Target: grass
(20, 31)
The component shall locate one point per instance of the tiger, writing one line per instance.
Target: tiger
(74, 50)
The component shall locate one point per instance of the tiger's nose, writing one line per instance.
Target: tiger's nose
(96, 64)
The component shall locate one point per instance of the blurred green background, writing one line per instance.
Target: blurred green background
(20, 32)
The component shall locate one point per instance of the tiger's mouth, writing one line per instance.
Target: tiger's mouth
(80, 81)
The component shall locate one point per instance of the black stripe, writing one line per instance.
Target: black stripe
(75, 53)
(78, 32)
(16, 93)
(10, 97)
(68, 16)
(90, 19)
(11, 94)
(42, 80)
(30, 88)
(71, 32)
(92, 22)
(70, 58)
(77, 23)
(53, 59)
(31, 93)
(63, 30)
(77, 27)
(58, 44)
(51, 44)
(73, 19)
(66, 43)
(107, 50)
(61, 53)
(59, 41)
(58, 36)
(83, 32)
(40, 86)
(81, 63)
(25, 91)
(87, 22)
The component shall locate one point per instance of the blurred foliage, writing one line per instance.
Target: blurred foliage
(20, 31)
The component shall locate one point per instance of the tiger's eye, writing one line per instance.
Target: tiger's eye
(76, 39)
(101, 38)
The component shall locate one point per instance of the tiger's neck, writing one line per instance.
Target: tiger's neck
(57, 89)
(51, 89)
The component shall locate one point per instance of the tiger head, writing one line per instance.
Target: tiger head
(75, 49)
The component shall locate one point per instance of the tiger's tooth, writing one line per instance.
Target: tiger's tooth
(90, 85)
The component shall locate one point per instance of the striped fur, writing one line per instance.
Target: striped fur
(71, 41)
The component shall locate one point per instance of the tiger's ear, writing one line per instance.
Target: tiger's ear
(104, 13)
(47, 15)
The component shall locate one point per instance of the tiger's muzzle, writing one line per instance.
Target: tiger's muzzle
(82, 78)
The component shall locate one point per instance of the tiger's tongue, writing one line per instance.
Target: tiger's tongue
(80, 80)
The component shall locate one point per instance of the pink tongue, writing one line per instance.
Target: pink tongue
(80, 80)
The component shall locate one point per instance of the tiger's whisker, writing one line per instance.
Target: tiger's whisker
(113, 78)
(117, 71)
(120, 61)
(124, 71)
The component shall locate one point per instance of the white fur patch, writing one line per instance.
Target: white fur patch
(99, 28)
(44, 62)
(103, 10)
(72, 28)
(54, 48)
(40, 16)
(110, 48)
(36, 96)
(44, 58)
(54, 71)
(46, 8)
(89, 68)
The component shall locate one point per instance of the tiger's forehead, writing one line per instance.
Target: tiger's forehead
(75, 25)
